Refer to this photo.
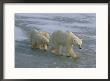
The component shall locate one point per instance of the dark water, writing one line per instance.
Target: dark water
(83, 25)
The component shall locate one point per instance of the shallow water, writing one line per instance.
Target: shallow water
(83, 25)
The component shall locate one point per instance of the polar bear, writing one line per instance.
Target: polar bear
(40, 40)
(61, 39)
(44, 45)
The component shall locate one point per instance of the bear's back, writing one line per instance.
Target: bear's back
(60, 38)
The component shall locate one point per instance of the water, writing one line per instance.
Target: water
(82, 24)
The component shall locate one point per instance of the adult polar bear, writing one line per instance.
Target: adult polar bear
(61, 39)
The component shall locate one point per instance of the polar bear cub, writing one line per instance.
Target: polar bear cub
(61, 39)
(39, 39)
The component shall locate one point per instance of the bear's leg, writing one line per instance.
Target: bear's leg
(36, 45)
(71, 52)
(60, 50)
(45, 47)
(54, 50)
(33, 44)
(68, 51)
(40, 46)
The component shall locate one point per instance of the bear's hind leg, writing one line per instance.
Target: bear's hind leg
(33, 45)
(45, 47)
(55, 51)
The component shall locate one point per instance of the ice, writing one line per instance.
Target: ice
(82, 24)
(19, 34)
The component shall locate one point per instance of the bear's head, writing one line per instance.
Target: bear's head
(46, 34)
(79, 43)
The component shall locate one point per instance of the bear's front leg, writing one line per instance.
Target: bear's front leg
(71, 53)
(36, 45)
(68, 51)
(40, 46)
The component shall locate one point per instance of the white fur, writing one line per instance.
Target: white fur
(39, 40)
(61, 39)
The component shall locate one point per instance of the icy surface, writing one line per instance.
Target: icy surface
(83, 25)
